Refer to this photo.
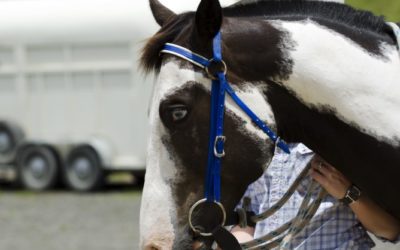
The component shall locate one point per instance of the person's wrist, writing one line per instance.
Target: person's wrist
(353, 194)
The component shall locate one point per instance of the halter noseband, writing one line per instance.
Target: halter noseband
(220, 86)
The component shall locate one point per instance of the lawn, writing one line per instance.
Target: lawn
(388, 8)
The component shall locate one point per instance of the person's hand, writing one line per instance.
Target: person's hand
(334, 182)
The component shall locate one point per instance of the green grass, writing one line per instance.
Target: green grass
(388, 8)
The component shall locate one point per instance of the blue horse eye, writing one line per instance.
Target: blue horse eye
(179, 114)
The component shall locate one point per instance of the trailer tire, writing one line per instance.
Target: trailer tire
(11, 136)
(83, 170)
(37, 167)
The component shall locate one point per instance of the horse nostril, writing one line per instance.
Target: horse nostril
(198, 245)
(152, 247)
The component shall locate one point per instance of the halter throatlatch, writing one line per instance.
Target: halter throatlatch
(216, 70)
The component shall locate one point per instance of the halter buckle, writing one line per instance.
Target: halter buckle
(214, 67)
(222, 139)
(195, 229)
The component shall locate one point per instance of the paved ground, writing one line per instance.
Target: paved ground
(66, 221)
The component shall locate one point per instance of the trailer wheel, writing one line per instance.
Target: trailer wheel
(37, 167)
(10, 137)
(83, 170)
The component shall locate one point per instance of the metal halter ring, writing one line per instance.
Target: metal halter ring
(224, 68)
(216, 153)
(196, 230)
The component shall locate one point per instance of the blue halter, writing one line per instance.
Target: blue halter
(220, 86)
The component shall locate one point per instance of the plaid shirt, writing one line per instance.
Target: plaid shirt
(333, 227)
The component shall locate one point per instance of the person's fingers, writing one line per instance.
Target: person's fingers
(318, 177)
(323, 169)
(328, 172)
(317, 160)
(330, 167)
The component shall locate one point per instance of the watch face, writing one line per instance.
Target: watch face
(353, 193)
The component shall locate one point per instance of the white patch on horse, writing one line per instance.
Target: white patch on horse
(157, 222)
(254, 98)
(251, 95)
(332, 71)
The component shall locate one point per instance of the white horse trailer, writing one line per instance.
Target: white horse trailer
(72, 101)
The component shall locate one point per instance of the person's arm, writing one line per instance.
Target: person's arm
(374, 219)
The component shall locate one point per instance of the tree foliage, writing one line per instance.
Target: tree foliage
(388, 8)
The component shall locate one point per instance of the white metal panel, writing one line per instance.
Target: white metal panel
(68, 71)
(45, 54)
(99, 52)
(6, 56)
(8, 96)
(81, 20)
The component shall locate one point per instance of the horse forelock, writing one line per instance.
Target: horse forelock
(151, 58)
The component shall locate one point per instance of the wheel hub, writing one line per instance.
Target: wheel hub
(5, 142)
(82, 167)
(37, 166)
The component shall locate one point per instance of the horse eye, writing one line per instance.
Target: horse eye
(178, 112)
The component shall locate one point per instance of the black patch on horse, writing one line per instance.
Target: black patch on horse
(370, 163)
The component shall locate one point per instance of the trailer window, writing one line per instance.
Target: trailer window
(45, 54)
(83, 81)
(100, 52)
(116, 80)
(54, 82)
(7, 83)
(6, 56)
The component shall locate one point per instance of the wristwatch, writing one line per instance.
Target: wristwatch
(352, 194)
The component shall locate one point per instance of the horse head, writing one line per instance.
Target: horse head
(280, 63)
(180, 117)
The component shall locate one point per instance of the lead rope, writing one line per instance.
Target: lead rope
(306, 211)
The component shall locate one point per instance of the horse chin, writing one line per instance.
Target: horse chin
(202, 245)
(158, 244)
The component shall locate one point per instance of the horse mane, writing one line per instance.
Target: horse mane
(301, 9)
(330, 12)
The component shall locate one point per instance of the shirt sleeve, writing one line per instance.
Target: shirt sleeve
(388, 241)
(256, 192)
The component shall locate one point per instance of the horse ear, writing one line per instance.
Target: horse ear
(208, 18)
(160, 12)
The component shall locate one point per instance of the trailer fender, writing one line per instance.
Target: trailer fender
(103, 149)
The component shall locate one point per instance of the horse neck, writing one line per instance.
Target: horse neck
(332, 72)
(366, 160)
(341, 101)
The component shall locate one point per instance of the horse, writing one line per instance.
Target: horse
(320, 73)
